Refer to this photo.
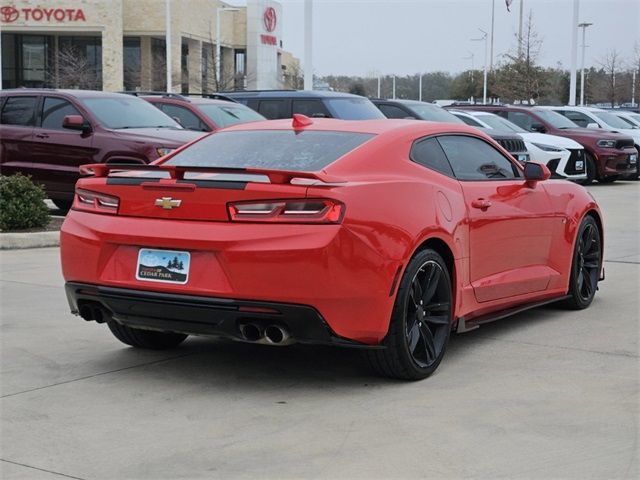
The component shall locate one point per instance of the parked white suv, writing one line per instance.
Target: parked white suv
(632, 118)
(563, 156)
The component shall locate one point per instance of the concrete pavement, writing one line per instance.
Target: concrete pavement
(545, 394)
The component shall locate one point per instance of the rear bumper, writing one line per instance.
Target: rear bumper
(197, 315)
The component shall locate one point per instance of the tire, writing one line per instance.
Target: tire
(63, 205)
(420, 323)
(585, 266)
(609, 179)
(592, 171)
(145, 338)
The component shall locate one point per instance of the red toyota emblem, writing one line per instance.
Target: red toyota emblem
(10, 14)
(270, 19)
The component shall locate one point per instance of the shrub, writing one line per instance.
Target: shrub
(21, 203)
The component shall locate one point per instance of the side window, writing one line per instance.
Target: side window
(521, 119)
(474, 159)
(54, 110)
(310, 108)
(187, 119)
(468, 120)
(274, 109)
(19, 111)
(579, 118)
(428, 153)
(391, 111)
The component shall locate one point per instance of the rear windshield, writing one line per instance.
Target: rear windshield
(226, 115)
(353, 108)
(304, 151)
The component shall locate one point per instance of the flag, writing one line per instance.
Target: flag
(508, 2)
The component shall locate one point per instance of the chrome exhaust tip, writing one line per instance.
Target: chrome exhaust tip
(251, 332)
(275, 334)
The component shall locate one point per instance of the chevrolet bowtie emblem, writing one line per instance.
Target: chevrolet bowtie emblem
(167, 203)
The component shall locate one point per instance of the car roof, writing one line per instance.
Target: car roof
(191, 100)
(70, 92)
(289, 94)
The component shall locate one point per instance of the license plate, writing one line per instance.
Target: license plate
(168, 266)
(633, 158)
(579, 165)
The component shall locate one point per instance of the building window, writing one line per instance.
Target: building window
(184, 64)
(27, 61)
(240, 69)
(158, 65)
(132, 62)
(79, 63)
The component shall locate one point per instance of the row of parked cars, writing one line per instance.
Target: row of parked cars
(48, 134)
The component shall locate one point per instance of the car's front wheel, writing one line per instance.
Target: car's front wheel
(420, 323)
(149, 339)
(585, 267)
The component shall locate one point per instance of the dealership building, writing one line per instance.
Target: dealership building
(121, 45)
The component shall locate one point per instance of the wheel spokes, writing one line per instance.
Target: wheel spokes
(587, 239)
(429, 342)
(432, 284)
(413, 337)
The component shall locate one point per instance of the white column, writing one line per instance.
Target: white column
(493, 21)
(167, 4)
(574, 52)
(308, 45)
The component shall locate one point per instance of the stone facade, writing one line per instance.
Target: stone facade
(193, 39)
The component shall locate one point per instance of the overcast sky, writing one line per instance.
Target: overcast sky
(359, 37)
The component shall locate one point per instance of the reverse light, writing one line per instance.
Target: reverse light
(288, 211)
(89, 201)
(607, 143)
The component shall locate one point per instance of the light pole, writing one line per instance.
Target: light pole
(484, 83)
(574, 52)
(420, 88)
(218, 40)
(584, 26)
(308, 45)
(394, 87)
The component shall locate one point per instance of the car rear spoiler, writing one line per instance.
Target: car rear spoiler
(177, 172)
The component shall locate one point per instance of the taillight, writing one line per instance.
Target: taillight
(288, 211)
(95, 202)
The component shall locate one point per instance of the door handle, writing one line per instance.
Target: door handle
(42, 135)
(481, 203)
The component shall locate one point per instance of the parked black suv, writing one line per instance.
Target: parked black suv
(511, 142)
(276, 104)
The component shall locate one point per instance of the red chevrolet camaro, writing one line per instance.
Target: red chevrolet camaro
(383, 234)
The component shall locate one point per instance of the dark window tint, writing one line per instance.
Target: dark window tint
(224, 115)
(578, 118)
(19, 111)
(54, 110)
(185, 117)
(274, 109)
(391, 111)
(127, 112)
(521, 119)
(474, 159)
(279, 150)
(310, 108)
(353, 108)
(428, 153)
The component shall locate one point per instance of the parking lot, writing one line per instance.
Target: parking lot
(545, 394)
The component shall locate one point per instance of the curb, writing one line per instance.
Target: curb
(16, 241)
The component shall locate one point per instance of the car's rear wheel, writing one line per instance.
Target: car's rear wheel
(145, 338)
(420, 323)
(585, 267)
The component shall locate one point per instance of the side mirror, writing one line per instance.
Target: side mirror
(593, 125)
(538, 127)
(76, 122)
(535, 172)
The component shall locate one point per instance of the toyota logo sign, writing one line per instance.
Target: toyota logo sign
(270, 19)
(9, 14)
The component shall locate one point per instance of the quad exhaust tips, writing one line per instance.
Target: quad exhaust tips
(269, 335)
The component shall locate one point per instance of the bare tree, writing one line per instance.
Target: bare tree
(72, 69)
(520, 78)
(612, 66)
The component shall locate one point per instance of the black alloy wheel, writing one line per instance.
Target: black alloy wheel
(585, 269)
(420, 323)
